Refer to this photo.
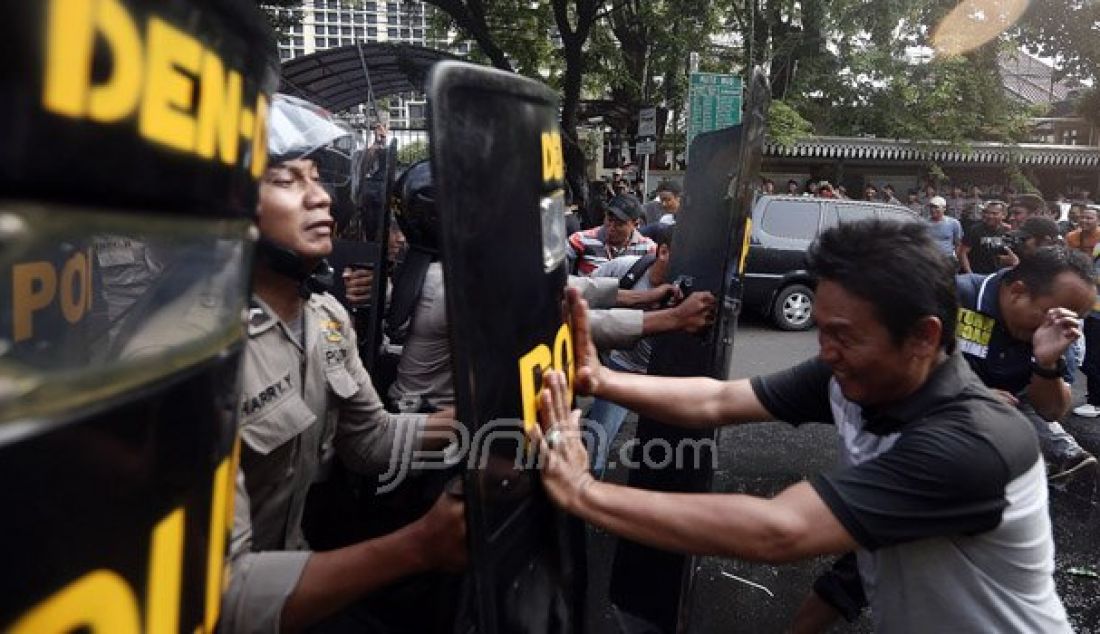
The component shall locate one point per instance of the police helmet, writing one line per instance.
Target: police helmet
(299, 129)
(416, 213)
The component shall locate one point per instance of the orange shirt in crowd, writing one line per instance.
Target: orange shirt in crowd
(1083, 242)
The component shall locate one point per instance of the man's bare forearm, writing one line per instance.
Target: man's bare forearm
(1050, 397)
(694, 402)
(729, 525)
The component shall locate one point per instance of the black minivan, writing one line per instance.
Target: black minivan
(776, 282)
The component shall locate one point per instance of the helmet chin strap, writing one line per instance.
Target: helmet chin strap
(288, 263)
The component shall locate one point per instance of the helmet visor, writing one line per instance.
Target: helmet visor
(299, 129)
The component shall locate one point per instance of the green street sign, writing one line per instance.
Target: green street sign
(714, 102)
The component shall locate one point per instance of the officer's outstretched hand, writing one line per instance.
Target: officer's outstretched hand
(1060, 328)
(443, 533)
(562, 455)
(357, 285)
(696, 312)
(586, 379)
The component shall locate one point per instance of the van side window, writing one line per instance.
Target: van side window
(791, 219)
(895, 215)
(855, 213)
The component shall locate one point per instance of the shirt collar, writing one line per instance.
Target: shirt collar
(990, 303)
(944, 384)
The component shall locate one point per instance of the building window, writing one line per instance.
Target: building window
(392, 33)
(345, 30)
(299, 41)
(372, 32)
(392, 19)
(371, 6)
(358, 31)
(322, 42)
(405, 33)
(418, 34)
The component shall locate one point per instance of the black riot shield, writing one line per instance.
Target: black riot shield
(708, 249)
(133, 137)
(497, 160)
(363, 244)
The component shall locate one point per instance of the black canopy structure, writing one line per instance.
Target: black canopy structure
(343, 77)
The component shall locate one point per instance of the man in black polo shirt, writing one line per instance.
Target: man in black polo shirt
(1014, 329)
(940, 492)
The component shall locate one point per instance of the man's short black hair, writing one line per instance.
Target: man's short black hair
(1038, 270)
(897, 267)
(1039, 228)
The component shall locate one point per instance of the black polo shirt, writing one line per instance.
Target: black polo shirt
(935, 464)
(946, 495)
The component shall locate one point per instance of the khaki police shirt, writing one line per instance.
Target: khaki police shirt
(299, 407)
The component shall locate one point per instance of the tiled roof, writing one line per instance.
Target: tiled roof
(1030, 79)
(901, 150)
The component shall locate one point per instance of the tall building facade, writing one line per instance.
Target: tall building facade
(332, 23)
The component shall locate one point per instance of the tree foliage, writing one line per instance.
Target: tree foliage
(841, 67)
(785, 125)
(282, 15)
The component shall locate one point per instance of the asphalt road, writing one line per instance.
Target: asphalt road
(762, 459)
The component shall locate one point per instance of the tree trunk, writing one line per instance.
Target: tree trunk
(573, 41)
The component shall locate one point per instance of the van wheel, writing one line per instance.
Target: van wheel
(793, 308)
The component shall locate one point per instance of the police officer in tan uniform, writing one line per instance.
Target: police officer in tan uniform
(306, 398)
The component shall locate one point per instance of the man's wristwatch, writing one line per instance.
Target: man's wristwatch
(1058, 372)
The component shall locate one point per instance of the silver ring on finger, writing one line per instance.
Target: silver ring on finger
(553, 438)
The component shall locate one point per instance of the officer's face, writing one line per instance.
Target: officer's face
(870, 368)
(294, 209)
(1023, 312)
